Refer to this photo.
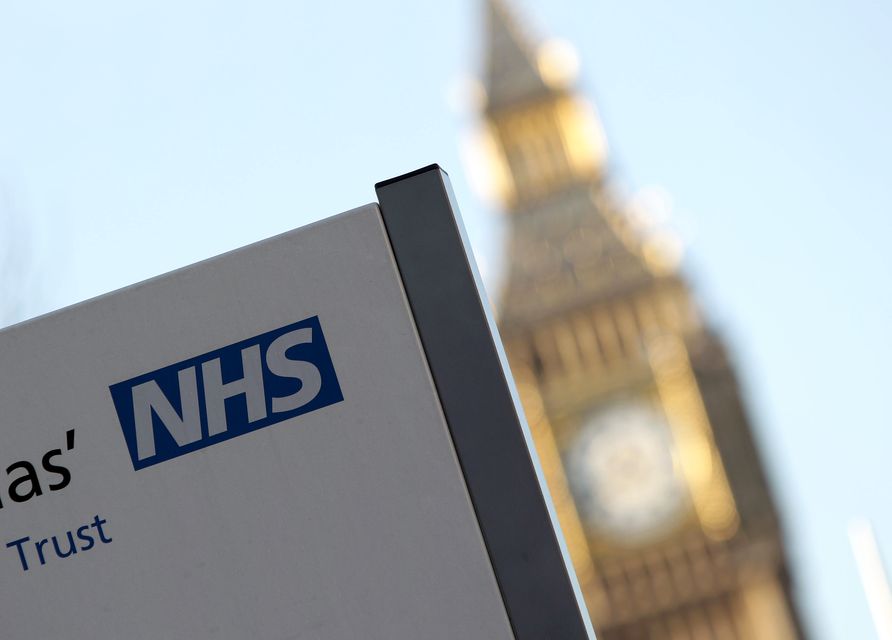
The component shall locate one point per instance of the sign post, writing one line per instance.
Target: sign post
(315, 436)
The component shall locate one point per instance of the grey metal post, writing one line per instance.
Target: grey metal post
(485, 419)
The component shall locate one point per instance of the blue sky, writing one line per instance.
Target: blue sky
(138, 137)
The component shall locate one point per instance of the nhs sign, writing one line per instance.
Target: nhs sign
(225, 393)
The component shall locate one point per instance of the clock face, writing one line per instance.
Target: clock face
(624, 475)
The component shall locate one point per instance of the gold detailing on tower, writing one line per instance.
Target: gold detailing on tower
(595, 315)
(545, 145)
(764, 612)
(540, 136)
(699, 457)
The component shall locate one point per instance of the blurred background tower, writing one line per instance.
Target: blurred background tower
(632, 401)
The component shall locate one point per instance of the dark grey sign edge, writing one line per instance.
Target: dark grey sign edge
(471, 375)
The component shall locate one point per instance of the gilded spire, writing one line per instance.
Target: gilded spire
(512, 71)
(570, 239)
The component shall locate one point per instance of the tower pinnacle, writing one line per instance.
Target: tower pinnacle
(512, 73)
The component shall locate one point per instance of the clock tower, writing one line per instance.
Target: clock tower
(630, 396)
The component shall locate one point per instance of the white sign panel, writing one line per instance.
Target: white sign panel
(130, 510)
(251, 447)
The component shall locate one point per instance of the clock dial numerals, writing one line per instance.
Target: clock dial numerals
(624, 475)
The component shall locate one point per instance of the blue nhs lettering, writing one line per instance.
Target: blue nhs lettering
(226, 393)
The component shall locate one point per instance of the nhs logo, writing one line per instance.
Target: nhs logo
(226, 393)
